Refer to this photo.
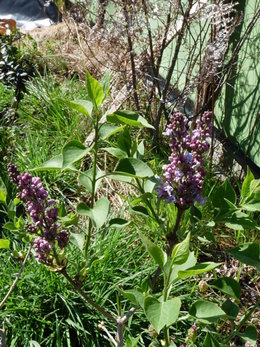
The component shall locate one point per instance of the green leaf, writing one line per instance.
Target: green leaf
(210, 341)
(9, 226)
(207, 312)
(236, 220)
(118, 223)
(255, 188)
(107, 130)
(98, 214)
(140, 210)
(78, 240)
(245, 190)
(95, 90)
(82, 106)
(161, 314)
(85, 179)
(225, 190)
(248, 253)
(159, 256)
(230, 309)
(124, 141)
(190, 262)
(4, 243)
(228, 286)
(3, 191)
(250, 335)
(128, 117)
(135, 296)
(198, 269)
(54, 163)
(181, 251)
(118, 177)
(134, 168)
(105, 82)
(251, 207)
(72, 152)
(116, 152)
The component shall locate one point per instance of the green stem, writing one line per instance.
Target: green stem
(166, 336)
(172, 235)
(95, 150)
(94, 173)
(100, 309)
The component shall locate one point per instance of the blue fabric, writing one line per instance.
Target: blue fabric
(28, 10)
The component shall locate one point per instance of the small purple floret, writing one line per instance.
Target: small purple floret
(43, 213)
(182, 181)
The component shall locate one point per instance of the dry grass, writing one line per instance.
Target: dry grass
(82, 48)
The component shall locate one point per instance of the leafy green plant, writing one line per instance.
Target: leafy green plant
(156, 295)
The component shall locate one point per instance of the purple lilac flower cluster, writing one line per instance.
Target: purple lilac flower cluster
(182, 180)
(43, 213)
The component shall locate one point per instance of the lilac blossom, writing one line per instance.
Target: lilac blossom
(182, 180)
(43, 213)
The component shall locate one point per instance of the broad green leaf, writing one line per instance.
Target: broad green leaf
(124, 141)
(251, 207)
(117, 177)
(72, 152)
(248, 253)
(159, 256)
(255, 188)
(140, 210)
(4, 243)
(228, 286)
(3, 191)
(82, 106)
(85, 179)
(98, 214)
(237, 220)
(181, 251)
(95, 90)
(116, 152)
(118, 222)
(210, 341)
(135, 296)
(107, 130)
(128, 117)
(207, 312)
(230, 309)
(245, 190)
(161, 314)
(78, 240)
(190, 262)
(134, 168)
(198, 269)
(54, 163)
(225, 190)
(250, 335)
(149, 184)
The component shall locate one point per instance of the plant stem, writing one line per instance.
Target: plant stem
(17, 277)
(100, 309)
(166, 336)
(172, 235)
